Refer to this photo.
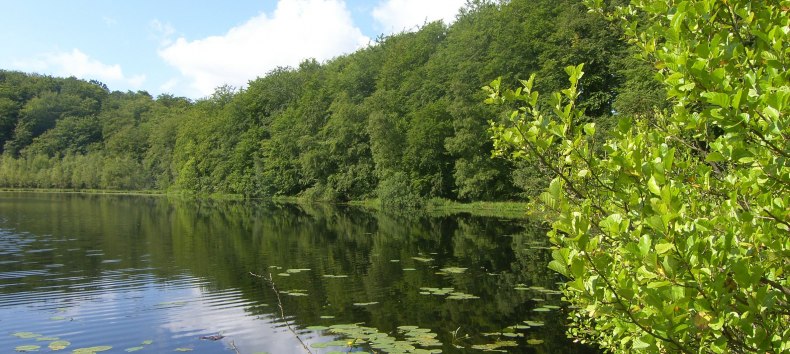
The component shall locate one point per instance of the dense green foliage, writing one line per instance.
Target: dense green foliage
(674, 228)
(401, 120)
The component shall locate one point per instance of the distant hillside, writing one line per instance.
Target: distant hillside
(402, 120)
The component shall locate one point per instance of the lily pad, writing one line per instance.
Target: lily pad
(27, 348)
(327, 317)
(541, 309)
(26, 335)
(365, 303)
(183, 349)
(317, 328)
(534, 341)
(436, 291)
(454, 270)
(422, 259)
(148, 342)
(534, 323)
(92, 350)
(296, 270)
(59, 345)
(134, 349)
(495, 345)
(461, 296)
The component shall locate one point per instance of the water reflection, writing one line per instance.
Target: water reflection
(120, 270)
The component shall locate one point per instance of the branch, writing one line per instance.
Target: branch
(282, 311)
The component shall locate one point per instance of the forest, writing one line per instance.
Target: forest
(401, 121)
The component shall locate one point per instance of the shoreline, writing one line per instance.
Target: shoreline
(433, 207)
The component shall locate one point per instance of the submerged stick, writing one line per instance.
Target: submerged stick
(234, 347)
(282, 311)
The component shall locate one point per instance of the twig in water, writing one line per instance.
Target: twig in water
(282, 311)
(233, 346)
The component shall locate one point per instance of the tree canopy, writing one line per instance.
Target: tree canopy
(401, 120)
(673, 227)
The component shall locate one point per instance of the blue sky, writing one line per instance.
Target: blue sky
(189, 47)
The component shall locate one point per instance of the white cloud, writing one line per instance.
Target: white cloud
(398, 15)
(162, 32)
(78, 64)
(297, 30)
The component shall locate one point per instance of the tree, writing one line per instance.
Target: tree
(674, 231)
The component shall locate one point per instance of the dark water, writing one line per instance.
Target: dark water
(123, 270)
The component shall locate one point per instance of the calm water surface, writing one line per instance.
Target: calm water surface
(153, 275)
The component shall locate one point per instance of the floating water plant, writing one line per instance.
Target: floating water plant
(26, 335)
(335, 276)
(436, 291)
(495, 346)
(317, 328)
(422, 259)
(59, 345)
(294, 292)
(27, 348)
(365, 303)
(454, 270)
(413, 337)
(297, 270)
(461, 296)
(92, 350)
(449, 292)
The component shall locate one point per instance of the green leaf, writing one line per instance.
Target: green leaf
(658, 284)
(559, 267)
(644, 244)
(662, 248)
(715, 156)
(652, 185)
(717, 98)
(589, 129)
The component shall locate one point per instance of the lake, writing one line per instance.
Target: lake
(152, 274)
